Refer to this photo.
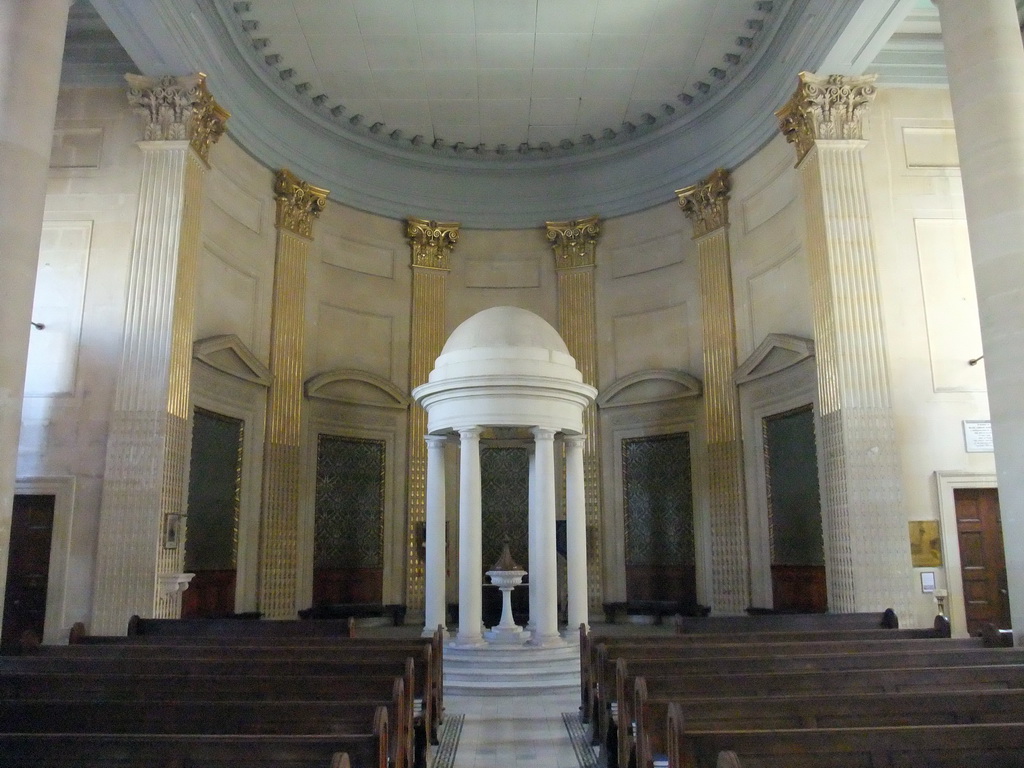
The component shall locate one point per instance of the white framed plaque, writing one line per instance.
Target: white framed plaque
(978, 436)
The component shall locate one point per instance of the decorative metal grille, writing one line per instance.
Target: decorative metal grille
(214, 492)
(658, 500)
(349, 512)
(505, 488)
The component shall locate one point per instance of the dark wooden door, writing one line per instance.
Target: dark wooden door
(28, 568)
(982, 561)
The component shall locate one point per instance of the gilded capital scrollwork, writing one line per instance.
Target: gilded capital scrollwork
(574, 242)
(824, 108)
(178, 109)
(298, 203)
(432, 242)
(706, 204)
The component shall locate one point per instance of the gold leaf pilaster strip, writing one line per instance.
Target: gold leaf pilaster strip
(824, 108)
(575, 247)
(574, 242)
(431, 244)
(706, 204)
(178, 109)
(298, 203)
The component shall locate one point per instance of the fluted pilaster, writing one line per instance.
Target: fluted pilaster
(575, 247)
(298, 205)
(867, 552)
(148, 446)
(706, 204)
(431, 245)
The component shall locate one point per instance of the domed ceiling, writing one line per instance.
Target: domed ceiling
(502, 113)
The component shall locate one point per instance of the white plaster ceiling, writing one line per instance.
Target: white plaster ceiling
(504, 75)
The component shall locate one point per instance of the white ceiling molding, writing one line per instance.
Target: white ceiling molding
(354, 387)
(653, 386)
(512, 191)
(229, 355)
(777, 352)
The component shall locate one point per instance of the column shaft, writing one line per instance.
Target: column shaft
(533, 529)
(576, 537)
(471, 570)
(431, 243)
(298, 204)
(434, 574)
(32, 39)
(985, 65)
(706, 204)
(867, 552)
(545, 629)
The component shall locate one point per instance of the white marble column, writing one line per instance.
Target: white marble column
(545, 630)
(471, 571)
(32, 41)
(576, 536)
(864, 520)
(434, 566)
(985, 65)
(534, 546)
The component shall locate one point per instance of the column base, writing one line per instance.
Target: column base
(572, 637)
(513, 635)
(469, 641)
(546, 641)
(428, 632)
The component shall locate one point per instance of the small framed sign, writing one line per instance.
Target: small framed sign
(978, 436)
(927, 581)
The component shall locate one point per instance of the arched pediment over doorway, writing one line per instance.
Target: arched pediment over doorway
(652, 386)
(354, 387)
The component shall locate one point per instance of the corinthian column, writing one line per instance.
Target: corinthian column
(985, 63)
(866, 547)
(707, 206)
(140, 550)
(575, 246)
(431, 243)
(32, 39)
(298, 205)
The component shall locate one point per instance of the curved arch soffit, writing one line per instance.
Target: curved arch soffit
(646, 387)
(356, 388)
(776, 353)
(185, 36)
(228, 354)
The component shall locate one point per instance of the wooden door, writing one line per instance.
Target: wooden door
(982, 561)
(28, 568)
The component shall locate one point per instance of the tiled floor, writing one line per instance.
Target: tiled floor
(514, 732)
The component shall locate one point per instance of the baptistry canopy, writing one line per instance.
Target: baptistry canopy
(504, 367)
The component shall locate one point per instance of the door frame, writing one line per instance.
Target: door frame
(62, 488)
(946, 482)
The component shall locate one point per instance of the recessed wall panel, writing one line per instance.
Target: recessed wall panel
(658, 338)
(356, 340)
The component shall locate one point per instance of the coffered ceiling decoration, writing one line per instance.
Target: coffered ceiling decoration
(503, 113)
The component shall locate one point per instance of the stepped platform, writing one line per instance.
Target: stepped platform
(496, 670)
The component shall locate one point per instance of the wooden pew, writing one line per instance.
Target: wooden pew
(813, 711)
(125, 750)
(244, 627)
(985, 745)
(788, 622)
(429, 688)
(720, 672)
(380, 689)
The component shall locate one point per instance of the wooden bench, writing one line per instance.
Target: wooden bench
(235, 627)
(769, 622)
(125, 750)
(429, 688)
(380, 689)
(720, 672)
(812, 711)
(659, 609)
(345, 611)
(985, 745)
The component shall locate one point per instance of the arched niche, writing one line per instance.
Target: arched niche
(351, 406)
(229, 379)
(778, 377)
(650, 405)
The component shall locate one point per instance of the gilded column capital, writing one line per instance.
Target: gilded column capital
(824, 108)
(706, 203)
(298, 203)
(178, 109)
(574, 242)
(432, 242)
